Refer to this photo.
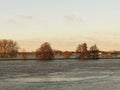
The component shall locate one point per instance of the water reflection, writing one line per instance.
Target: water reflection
(54, 79)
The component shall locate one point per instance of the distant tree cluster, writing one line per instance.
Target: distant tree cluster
(66, 54)
(45, 52)
(57, 52)
(8, 48)
(84, 53)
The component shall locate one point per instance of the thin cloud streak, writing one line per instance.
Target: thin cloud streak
(16, 19)
(12, 21)
(25, 17)
(72, 18)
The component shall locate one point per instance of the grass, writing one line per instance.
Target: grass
(20, 59)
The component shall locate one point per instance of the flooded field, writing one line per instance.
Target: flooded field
(60, 75)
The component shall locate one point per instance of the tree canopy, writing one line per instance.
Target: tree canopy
(8, 48)
(45, 52)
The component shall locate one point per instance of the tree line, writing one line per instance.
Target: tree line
(10, 48)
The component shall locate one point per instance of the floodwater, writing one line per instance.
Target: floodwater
(60, 75)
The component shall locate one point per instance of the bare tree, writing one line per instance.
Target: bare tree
(82, 51)
(93, 52)
(45, 52)
(8, 48)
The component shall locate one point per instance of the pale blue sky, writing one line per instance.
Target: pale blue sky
(63, 23)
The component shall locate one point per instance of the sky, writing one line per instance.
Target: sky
(63, 23)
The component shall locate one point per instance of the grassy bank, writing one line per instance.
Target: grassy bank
(18, 59)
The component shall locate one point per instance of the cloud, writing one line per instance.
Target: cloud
(25, 17)
(16, 18)
(12, 21)
(72, 18)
